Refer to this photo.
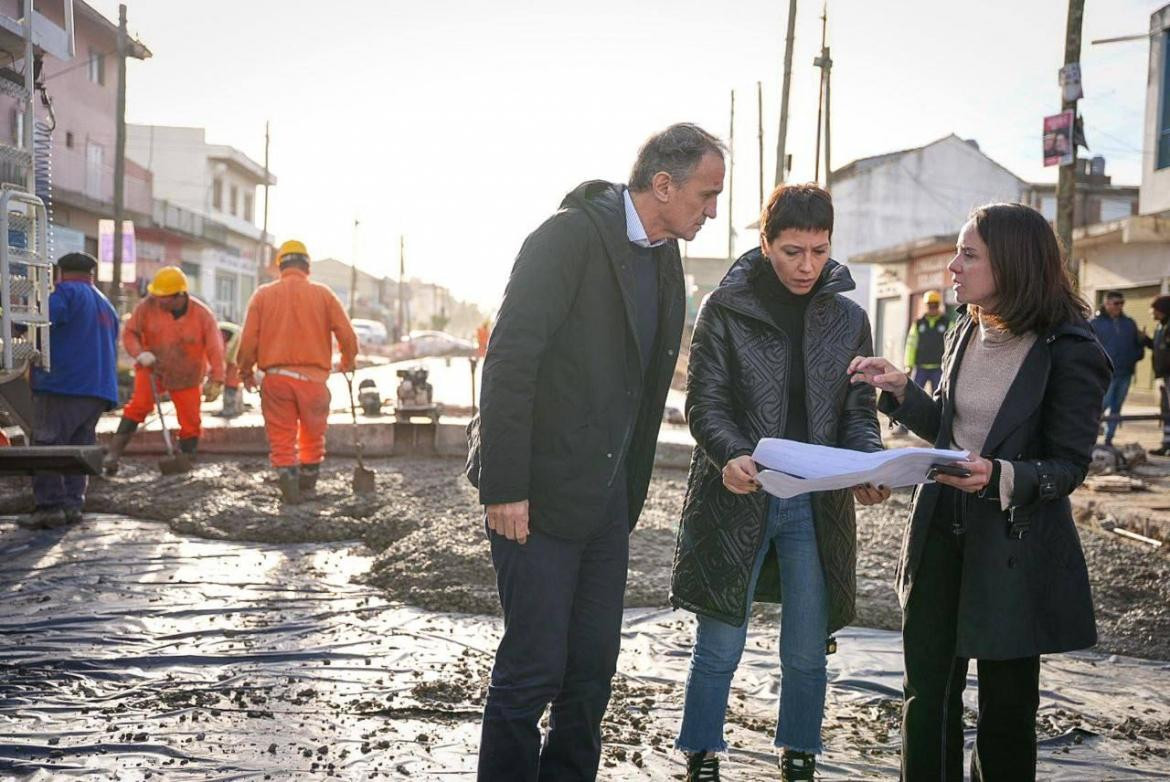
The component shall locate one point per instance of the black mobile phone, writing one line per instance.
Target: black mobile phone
(948, 469)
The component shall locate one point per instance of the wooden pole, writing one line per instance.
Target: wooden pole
(1066, 188)
(781, 157)
(119, 162)
(262, 257)
(760, 128)
(731, 184)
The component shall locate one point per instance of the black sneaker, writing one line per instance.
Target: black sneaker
(702, 767)
(1163, 451)
(797, 766)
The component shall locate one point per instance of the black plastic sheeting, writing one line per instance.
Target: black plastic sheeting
(129, 653)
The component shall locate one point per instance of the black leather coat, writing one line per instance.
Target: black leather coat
(736, 394)
(1029, 595)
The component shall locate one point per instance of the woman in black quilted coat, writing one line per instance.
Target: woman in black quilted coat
(769, 358)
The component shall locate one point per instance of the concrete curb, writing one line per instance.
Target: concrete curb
(379, 439)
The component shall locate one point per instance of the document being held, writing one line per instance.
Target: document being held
(792, 468)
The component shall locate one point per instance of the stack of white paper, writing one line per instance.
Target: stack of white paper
(793, 467)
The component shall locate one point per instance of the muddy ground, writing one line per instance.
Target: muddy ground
(424, 534)
(425, 527)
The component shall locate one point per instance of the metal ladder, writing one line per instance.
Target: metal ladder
(26, 280)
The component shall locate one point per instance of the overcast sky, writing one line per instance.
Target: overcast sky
(462, 123)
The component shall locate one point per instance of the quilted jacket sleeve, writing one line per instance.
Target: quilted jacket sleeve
(710, 400)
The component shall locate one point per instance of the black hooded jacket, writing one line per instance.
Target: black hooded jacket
(566, 408)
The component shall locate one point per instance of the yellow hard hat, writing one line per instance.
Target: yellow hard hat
(932, 297)
(168, 281)
(291, 247)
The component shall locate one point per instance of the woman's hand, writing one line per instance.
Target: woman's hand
(880, 374)
(739, 475)
(868, 494)
(979, 468)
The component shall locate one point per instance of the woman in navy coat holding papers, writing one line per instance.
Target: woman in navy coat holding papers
(991, 566)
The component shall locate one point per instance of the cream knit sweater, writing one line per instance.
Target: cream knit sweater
(991, 362)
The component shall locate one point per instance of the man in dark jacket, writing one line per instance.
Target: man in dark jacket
(574, 383)
(1119, 335)
(1160, 346)
(82, 384)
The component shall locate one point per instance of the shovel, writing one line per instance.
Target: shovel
(363, 479)
(174, 463)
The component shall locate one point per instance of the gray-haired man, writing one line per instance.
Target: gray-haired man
(574, 382)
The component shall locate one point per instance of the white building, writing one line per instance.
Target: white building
(900, 197)
(208, 193)
(1132, 254)
(1155, 192)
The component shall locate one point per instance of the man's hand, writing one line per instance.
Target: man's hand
(249, 380)
(880, 374)
(979, 468)
(509, 519)
(739, 475)
(146, 359)
(212, 390)
(868, 494)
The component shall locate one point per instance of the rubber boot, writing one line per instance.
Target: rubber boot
(233, 403)
(118, 443)
(290, 485)
(189, 445)
(308, 478)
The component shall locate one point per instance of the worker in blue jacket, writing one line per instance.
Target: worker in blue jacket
(1119, 335)
(82, 384)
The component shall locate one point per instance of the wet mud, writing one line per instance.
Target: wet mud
(424, 527)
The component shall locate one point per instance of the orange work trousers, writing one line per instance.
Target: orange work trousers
(296, 414)
(186, 400)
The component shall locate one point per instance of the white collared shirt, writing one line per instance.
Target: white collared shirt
(634, 228)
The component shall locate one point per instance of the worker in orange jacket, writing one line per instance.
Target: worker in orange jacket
(288, 334)
(174, 340)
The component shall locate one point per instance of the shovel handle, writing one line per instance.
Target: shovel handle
(357, 441)
(162, 418)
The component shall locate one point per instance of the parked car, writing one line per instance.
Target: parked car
(439, 343)
(370, 332)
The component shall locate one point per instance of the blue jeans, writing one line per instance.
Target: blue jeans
(1114, 399)
(804, 624)
(933, 376)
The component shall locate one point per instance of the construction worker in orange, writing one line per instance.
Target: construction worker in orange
(288, 335)
(175, 342)
(482, 335)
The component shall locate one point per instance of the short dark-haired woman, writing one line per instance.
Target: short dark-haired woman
(768, 359)
(991, 565)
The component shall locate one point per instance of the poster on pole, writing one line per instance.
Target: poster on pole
(1058, 139)
(106, 251)
(1070, 82)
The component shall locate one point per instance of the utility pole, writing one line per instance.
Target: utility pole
(781, 158)
(119, 161)
(1066, 188)
(760, 128)
(262, 256)
(825, 63)
(353, 270)
(731, 184)
(401, 285)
